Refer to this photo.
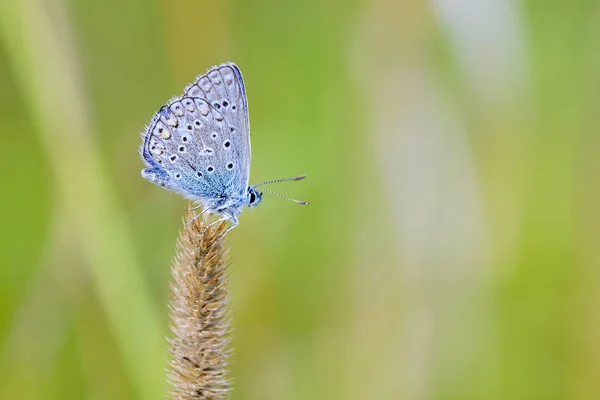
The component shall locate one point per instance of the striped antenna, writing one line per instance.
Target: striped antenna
(296, 178)
(287, 198)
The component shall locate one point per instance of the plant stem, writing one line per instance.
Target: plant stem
(200, 320)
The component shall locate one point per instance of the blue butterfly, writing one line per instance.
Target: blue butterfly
(199, 146)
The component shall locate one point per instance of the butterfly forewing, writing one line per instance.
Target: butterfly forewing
(223, 87)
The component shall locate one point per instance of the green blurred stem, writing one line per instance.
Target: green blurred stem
(38, 41)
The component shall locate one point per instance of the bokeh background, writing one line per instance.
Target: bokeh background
(451, 250)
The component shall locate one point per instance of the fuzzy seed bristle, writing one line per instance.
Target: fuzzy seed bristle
(200, 319)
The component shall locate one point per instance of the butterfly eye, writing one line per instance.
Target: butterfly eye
(252, 197)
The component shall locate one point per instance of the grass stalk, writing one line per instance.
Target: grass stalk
(200, 318)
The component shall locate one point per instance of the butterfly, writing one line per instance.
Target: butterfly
(198, 145)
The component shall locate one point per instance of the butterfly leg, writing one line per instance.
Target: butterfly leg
(234, 223)
(197, 215)
(214, 223)
(227, 215)
(195, 208)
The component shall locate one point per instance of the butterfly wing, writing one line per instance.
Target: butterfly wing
(223, 88)
(199, 144)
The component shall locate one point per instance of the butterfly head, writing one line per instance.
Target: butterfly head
(254, 197)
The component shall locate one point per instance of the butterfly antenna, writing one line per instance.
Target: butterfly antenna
(287, 198)
(295, 178)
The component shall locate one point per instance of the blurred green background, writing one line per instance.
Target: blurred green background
(451, 250)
